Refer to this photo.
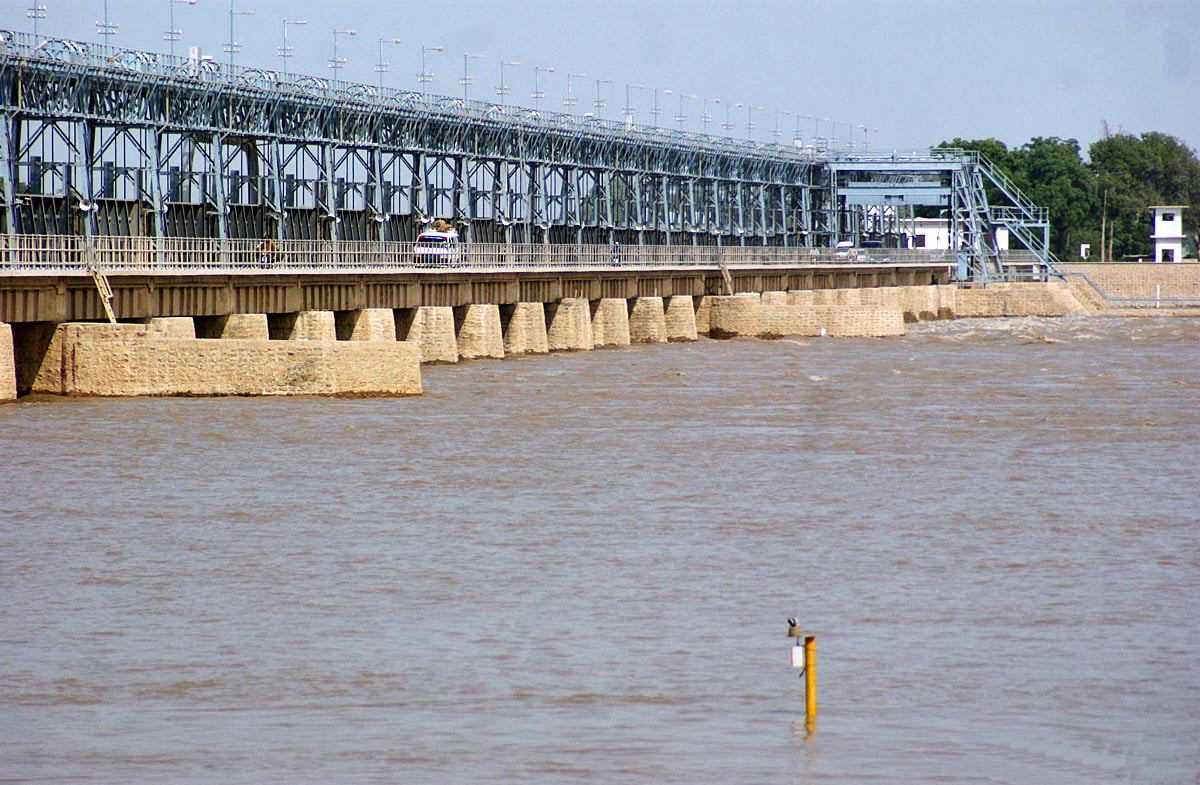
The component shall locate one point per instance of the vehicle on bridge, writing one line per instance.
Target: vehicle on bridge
(438, 247)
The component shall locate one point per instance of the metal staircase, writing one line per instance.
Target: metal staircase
(1026, 222)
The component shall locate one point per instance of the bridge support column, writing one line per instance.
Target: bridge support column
(431, 328)
(8, 364)
(242, 326)
(610, 322)
(703, 308)
(368, 324)
(736, 316)
(946, 298)
(570, 325)
(647, 320)
(303, 326)
(680, 319)
(172, 327)
(524, 327)
(478, 330)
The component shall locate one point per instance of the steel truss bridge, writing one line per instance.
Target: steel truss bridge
(101, 145)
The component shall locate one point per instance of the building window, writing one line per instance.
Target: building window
(1168, 216)
(918, 241)
(1168, 254)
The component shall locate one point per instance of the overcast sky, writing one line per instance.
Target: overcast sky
(920, 71)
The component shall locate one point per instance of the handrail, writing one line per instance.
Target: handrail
(71, 253)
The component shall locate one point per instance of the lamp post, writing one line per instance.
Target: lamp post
(285, 51)
(382, 67)
(467, 79)
(797, 137)
(106, 29)
(866, 140)
(504, 89)
(600, 103)
(656, 111)
(336, 62)
(538, 93)
(425, 77)
(705, 117)
(171, 35)
(571, 100)
(233, 47)
(777, 133)
(628, 110)
(750, 119)
(37, 12)
(681, 118)
(728, 124)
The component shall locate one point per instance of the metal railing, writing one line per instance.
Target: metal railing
(71, 254)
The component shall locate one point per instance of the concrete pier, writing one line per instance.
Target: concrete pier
(703, 310)
(478, 331)
(432, 329)
(524, 326)
(569, 325)
(647, 320)
(8, 364)
(303, 326)
(126, 359)
(366, 324)
(610, 323)
(680, 319)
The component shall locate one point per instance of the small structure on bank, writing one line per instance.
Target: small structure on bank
(1167, 233)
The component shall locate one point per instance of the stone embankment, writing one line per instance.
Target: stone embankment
(379, 351)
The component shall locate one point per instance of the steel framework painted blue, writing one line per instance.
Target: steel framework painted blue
(100, 141)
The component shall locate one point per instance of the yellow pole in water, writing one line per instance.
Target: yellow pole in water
(810, 677)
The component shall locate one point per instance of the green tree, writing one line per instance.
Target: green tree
(1134, 173)
(1052, 173)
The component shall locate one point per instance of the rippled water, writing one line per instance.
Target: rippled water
(577, 568)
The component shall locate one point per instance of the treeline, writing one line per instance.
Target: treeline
(1103, 201)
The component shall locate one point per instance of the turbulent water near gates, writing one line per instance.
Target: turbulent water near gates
(578, 568)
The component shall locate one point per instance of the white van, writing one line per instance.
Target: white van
(438, 249)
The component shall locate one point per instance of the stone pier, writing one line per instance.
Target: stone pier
(736, 316)
(8, 364)
(128, 359)
(775, 317)
(478, 330)
(610, 323)
(367, 324)
(172, 326)
(432, 329)
(647, 320)
(524, 326)
(242, 326)
(570, 325)
(680, 319)
(303, 326)
(1019, 299)
(703, 309)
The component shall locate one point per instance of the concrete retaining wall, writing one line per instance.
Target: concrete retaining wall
(1126, 279)
(122, 359)
(1019, 299)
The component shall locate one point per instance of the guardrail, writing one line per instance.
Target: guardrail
(66, 254)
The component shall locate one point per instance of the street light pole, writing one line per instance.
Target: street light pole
(656, 111)
(705, 117)
(171, 35)
(504, 89)
(424, 78)
(382, 67)
(570, 101)
(728, 124)
(750, 120)
(681, 118)
(628, 110)
(538, 93)
(233, 47)
(337, 62)
(106, 30)
(600, 103)
(37, 12)
(285, 51)
(467, 79)
(777, 133)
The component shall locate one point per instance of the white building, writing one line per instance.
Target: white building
(1168, 233)
(935, 233)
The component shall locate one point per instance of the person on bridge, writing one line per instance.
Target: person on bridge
(616, 253)
(266, 251)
